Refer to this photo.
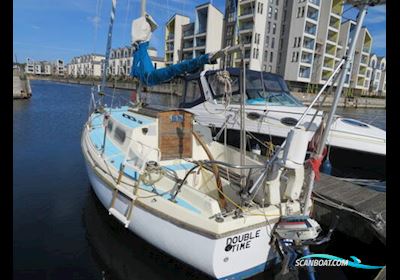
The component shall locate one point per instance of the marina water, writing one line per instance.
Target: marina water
(60, 229)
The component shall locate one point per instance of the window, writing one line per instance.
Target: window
(273, 43)
(268, 27)
(302, 12)
(218, 88)
(283, 30)
(260, 7)
(279, 57)
(267, 41)
(277, 2)
(298, 41)
(269, 11)
(193, 91)
(266, 56)
(270, 68)
(274, 28)
(109, 126)
(276, 14)
(271, 57)
(119, 134)
(295, 42)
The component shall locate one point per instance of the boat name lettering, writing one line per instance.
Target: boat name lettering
(241, 242)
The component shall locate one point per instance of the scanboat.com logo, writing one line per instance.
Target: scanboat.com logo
(329, 260)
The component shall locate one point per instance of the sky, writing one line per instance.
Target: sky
(62, 29)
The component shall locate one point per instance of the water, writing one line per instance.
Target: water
(60, 229)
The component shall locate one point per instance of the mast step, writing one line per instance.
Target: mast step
(121, 217)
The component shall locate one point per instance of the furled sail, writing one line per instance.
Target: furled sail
(142, 67)
(144, 70)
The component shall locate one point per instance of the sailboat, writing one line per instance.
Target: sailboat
(226, 212)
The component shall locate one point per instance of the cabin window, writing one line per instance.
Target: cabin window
(119, 135)
(218, 88)
(193, 94)
(110, 126)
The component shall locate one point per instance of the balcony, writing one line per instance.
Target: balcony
(329, 63)
(188, 33)
(366, 49)
(187, 45)
(246, 39)
(200, 43)
(326, 74)
(306, 58)
(312, 13)
(170, 36)
(330, 49)
(360, 82)
(337, 7)
(246, 12)
(363, 70)
(364, 59)
(308, 43)
(304, 72)
(247, 27)
(332, 36)
(334, 23)
(169, 47)
(310, 28)
(315, 2)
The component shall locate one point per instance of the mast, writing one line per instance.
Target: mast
(362, 5)
(139, 84)
(108, 48)
(242, 120)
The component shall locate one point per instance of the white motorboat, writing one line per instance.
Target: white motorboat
(356, 149)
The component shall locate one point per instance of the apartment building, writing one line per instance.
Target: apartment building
(360, 76)
(38, 67)
(30, 66)
(326, 57)
(58, 67)
(88, 65)
(121, 60)
(246, 22)
(204, 35)
(378, 77)
(275, 29)
(173, 38)
(187, 40)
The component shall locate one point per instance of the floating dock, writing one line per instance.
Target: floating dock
(361, 211)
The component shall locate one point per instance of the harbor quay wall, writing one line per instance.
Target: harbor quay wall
(168, 88)
(344, 102)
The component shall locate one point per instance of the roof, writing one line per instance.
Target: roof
(209, 3)
(174, 15)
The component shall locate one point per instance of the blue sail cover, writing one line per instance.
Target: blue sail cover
(144, 70)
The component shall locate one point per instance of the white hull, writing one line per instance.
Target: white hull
(206, 254)
(343, 135)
